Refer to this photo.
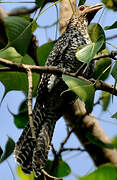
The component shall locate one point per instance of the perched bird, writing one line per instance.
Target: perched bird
(51, 102)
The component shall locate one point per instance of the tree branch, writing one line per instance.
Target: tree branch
(82, 123)
(66, 12)
(22, 11)
(111, 55)
(101, 85)
(98, 84)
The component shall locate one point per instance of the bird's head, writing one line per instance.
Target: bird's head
(85, 13)
(82, 17)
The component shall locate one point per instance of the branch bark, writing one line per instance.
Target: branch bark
(30, 103)
(81, 124)
(11, 66)
(66, 12)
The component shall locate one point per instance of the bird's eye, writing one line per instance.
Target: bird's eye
(82, 8)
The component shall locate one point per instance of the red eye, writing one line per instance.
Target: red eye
(82, 8)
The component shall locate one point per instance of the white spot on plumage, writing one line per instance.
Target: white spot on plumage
(51, 82)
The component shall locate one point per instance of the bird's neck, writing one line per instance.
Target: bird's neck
(82, 26)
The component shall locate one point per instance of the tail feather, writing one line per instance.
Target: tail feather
(30, 156)
(23, 150)
(41, 151)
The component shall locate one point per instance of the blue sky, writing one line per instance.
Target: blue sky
(80, 163)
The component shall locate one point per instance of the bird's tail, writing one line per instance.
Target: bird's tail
(30, 155)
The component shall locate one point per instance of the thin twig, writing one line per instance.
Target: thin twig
(53, 150)
(48, 175)
(111, 55)
(19, 2)
(11, 169)
(111, 37)
(48, 26)
(64, 142)
(73, 149)
(30, 103)
(98, 101)
(22, 11)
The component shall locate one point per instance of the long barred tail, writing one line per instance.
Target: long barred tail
(23, 150)
(30, 156)
(40, 154)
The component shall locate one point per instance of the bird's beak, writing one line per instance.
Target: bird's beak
(94, 8)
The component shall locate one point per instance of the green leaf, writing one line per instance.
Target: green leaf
(105, 96)
(18, 31)
(114, 115)
(87, 52)
(1, 151)
(43, 52)
(113, 26)
(9, 147)
(23, 176)
(102, 69)
(61, 169)
(40, 3)
(95, 140)
(111, 4)
(83, 89)
(104, 172)
(114, 141)
(94, 31)
(11, 54)
(81, 2)
(17, 80)
(21, 118)
(114, 72)
(34, 26)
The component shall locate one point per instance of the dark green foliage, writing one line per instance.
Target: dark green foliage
(95, 31)
(93, 139)
(1, 151)
(114, 115)
(113, 26)
(19, 33)
(43, 52)
(111, 4)
(105, 96)
(81, 2)
(114, 72)
(40, 3)
(61, 169)
(103, 66)
(83, 89)
(9, 147)
(21, 118)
